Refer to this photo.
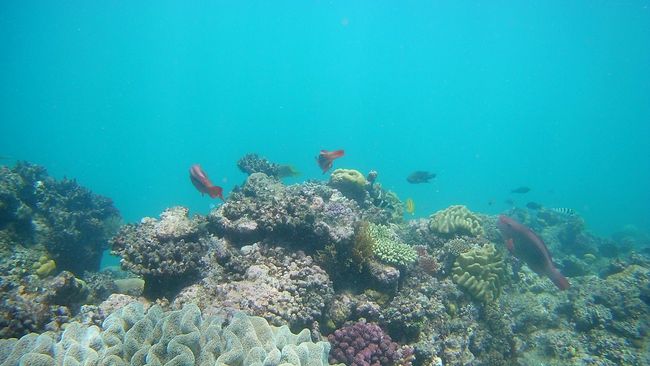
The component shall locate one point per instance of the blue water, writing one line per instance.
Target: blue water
(125, 96)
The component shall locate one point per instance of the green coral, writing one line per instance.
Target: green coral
(351, 183)
(44, 267)
(388, 247)
(481, 272)
(179, 338)
(456, 220)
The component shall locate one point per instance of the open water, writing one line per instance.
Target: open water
(125, 95)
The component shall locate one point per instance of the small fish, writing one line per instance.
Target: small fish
(201, 181)
(509, 202)
(287, 171)
(410, 206)
(420, 177)
(533, 205)
(564, 211)
(524, 244)
(523, 189)
(326, 158)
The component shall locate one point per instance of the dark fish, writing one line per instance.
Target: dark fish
(420, 177)
(524, 244)
(523, 189)
(202, 182)
(509, 202)
(533, 205)
(326, 158)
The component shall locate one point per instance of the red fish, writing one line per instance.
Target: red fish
(326, 158)
(203, 184)
(524, 244)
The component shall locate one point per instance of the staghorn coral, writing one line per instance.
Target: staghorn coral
(132, 336)
(481, 272)
(68, 220)
(456, 220)
(167, 252)
(366, 344)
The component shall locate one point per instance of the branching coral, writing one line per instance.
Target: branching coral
(388, 247)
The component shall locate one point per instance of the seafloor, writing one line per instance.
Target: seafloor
(306, 274)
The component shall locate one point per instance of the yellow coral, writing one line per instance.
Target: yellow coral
(350, 182)
(481, 272)
(44, 266)
(456, 220)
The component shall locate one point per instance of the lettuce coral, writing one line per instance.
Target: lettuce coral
(456, 220)
(132, 336)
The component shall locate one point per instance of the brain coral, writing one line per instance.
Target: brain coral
(481, 272)
(350, 182)
(456, 220)
(132, 336)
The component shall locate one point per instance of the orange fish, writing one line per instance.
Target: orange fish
(203, 184)
(326, 158)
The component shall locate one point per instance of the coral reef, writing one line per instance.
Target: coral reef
(71, 222)
(366, 344)
(132, 336)
(253, 163)
(278, 285)
(308, 215)
(167, 252)
(456, 220)
(481, 272)
(35, 304)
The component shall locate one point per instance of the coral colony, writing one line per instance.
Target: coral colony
(313, 273)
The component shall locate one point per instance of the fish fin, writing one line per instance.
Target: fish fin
(558, 279)
(216, 191)
(510, 244)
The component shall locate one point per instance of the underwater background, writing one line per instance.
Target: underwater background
(125, 96)
(490, 207)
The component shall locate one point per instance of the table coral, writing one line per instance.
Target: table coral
(481, 272)
(456, 220)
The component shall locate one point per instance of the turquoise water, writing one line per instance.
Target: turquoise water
(125, 96)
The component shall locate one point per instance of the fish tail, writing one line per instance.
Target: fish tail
(215, 191)
(558, 279)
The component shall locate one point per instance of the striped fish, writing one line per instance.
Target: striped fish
(564, 211)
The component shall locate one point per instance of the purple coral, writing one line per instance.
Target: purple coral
(366, 344)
